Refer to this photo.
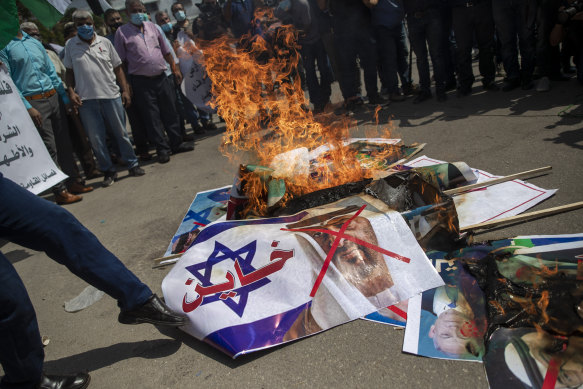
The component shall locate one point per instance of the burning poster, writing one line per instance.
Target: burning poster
(492, 202)
(251, 284)
(448, 322)
(196, 85)
(206, 207)
(529, 358)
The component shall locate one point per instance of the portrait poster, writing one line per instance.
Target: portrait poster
(449, 322)
(24, 158)
(395, 315)
(206, 207)
(251, 284)
(491, 202)
(519, 358)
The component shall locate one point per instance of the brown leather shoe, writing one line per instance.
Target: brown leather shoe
(65, 197)
(77, 188)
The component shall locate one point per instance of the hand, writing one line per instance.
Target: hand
(177, 76)
(75, 102)
(36, 117)
(126, 99)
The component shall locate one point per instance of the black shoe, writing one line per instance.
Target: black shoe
(491, 86)
(145, 156)
(353, 105)
(182, 148)
(422, 96)
(397, 97)
(441, 97)
(378, 100)
(109, 178)
(450, 85)
(509, 85)
(198, 130)
(208, 125)
(136, 171)
(73, 381)
(153, 311)
(163, 158)
(526, 83)
(410, 89)
(464, 91)
(187, 138)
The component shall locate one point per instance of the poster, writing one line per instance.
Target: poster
(206, 207)
(24, 158)
(250, 284)
(492, 202)
(196, 84)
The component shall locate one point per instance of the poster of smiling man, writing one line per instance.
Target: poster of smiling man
(247, 285)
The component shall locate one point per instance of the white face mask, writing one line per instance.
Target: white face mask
(180, 16)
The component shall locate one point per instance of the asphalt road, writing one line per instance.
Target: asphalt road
(499, 132)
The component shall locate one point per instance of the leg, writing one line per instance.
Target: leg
(419, 46)
(146, 102)
(504, 19)
(402, 54)
(326, 75)
(166, 97)
(138, 129)
(63, 142)
(112, 111)
(367, 54)
(81, 145)
(21, 351)
(525, 26)
(37, 224)
(92, 118)
(434, 42)
(463, 30)
(388, 57)
(309, 60)
(485, 36)
(346, 49)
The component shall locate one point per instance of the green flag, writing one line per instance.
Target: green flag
(9, 25)
(48, 12)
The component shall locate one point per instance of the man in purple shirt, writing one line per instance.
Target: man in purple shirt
(145, 53)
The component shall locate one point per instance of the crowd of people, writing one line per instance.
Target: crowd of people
(80, 97)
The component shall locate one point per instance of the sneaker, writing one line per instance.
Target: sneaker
(377, 100)
(422, 96)
(109, 178)
(136, 171)
(543, 85)
(183, 147)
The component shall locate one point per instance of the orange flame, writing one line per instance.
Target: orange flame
(257, 91)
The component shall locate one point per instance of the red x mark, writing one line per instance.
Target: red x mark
(341, 235)
(225, 296)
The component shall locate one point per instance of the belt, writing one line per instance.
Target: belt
(467, 4)
(148, 77)
(43, 95)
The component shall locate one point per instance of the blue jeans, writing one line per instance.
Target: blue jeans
(424, 31)
(403, 57)
(516, 18)
(319, 90)
(38, 224)
(99, 116)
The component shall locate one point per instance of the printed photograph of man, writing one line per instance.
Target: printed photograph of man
(520, 358)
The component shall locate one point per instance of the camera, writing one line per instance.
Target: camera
(566, 14)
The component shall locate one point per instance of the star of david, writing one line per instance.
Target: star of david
(202, 271)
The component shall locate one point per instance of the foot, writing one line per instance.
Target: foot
(543, 85)
(450, 85)
(109, 179)
(410, 89)
(187, 138)
(93, 174)
(198, 130)
(208, 125)
(163, 158)
(441, 97)
(491, 86)
(378, 100)
(66, 197)
(422, 96)
(464, 91)
(145, 156)
(78, 188)
(509, 85)
(136, 171)
(153, 311)
(397, 97)
(73, 381)
(353, 104)
(183, 147)
(526, 83)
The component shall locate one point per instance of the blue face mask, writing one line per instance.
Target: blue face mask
(166, 27)
(85, 32)
(180, 16)
(138, 18)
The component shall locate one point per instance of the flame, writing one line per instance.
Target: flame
(257, 91)
(542, 304)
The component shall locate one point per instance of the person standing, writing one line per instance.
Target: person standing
(39, 86)
(144, 50)
(93, 67)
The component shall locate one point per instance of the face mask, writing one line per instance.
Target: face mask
(167, 27)
(85, 32)
(284, 5)
(138, 18)
(180, 16)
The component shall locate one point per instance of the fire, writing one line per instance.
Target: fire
(257, 91)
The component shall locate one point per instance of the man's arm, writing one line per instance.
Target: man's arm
(177, 75)
(75, 99)
(125, 88)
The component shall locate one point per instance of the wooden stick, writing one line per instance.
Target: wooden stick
(497, 180)
(402, 160)
(158, 260)
(523, 217)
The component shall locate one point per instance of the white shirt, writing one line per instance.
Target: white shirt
(93, 66)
